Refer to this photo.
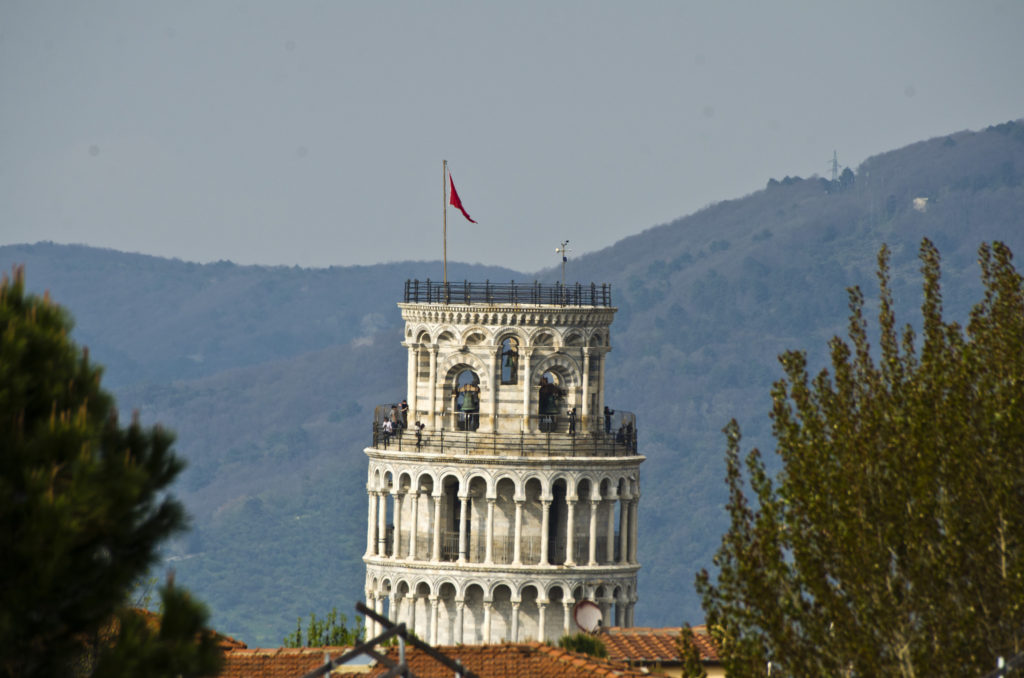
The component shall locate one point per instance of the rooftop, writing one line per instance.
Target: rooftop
(509, 660)
(282, 662)
(654, 645)
(535, 293)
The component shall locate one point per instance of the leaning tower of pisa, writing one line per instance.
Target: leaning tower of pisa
(508, 490)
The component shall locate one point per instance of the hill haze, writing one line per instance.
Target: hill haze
(269, 375)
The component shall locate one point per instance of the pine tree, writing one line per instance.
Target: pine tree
(83, 502)
(892, 541)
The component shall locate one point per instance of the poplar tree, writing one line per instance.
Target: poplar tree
(83, 500)
(892, 540)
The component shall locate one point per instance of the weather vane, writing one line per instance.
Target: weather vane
(563, 250)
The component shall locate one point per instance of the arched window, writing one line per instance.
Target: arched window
(550, 401)
(467, 400)
(510, 361)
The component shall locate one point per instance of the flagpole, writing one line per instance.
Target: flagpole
(444, 203)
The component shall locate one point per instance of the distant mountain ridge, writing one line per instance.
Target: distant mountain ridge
(269, 374)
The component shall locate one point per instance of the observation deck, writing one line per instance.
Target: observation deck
(533, 294)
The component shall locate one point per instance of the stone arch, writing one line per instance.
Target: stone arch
(425, 474)
(422, 334)
(573, 338)
(543, 479)
(473, 621)
(501, 611)
(474, 335)
(529, 613)
(452, 486)
(447, 611)
(544, 336)
(447, 368)
(557, 515)
(508, 331)
(476, 526)
(455, 386)
(562, 365)
(556, 622)
(503, 538)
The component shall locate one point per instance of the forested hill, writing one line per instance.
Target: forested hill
(269, 374)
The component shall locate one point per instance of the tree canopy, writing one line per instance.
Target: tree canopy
(332, 630)
(892, 540)
(83, 502)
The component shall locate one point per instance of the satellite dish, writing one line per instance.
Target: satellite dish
(587, 615)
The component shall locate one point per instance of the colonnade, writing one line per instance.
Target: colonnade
(441, 614)
(423, 524)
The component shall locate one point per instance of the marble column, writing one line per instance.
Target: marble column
(545, 525)
(371, 624)
(396, 542)
(433, 619)
(592, 551)
(527, 389)
(567, 615)
(371, 527)
(489, 546)
(460, 620)
(623, 528)
(412, 381)
(492, 368)
(433, 388)
(570, 531)
(517, 545)
(487, 621)
(414, 510)
(609, 551)
(435, 555)
(585, 420)
(382, 523)
(634, 524)
(463, 511)
(515, 621)
(542, 609)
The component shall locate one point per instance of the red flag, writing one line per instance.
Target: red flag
(454, 201)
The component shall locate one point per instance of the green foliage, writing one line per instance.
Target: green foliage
(583, 643)
(891, 541)
(690, 653)
(83, 503)
(330, 631)
(180, 645)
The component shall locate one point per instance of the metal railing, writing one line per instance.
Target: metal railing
(555, 294)
(616, 436)
(472, 443)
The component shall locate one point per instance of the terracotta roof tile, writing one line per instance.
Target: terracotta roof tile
(282, 662)
(654, 645)
(510, 660)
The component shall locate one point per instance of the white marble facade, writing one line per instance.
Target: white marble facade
(508, 509)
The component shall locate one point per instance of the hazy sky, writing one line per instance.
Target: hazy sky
(312, 133)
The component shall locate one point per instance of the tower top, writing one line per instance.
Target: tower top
(534, 294)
